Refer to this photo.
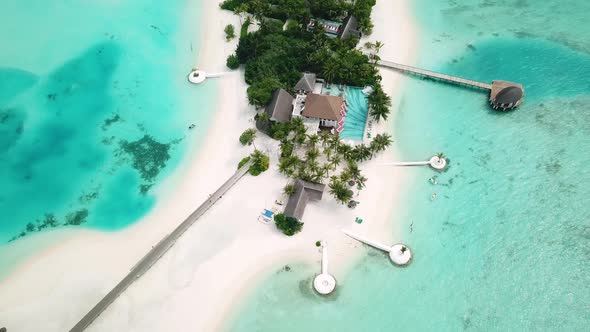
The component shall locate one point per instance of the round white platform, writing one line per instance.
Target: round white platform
(438, 163)
(324, 284)
(197, 76)
(400, 254)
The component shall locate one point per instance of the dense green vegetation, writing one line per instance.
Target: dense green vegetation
(275, 58)
(318, 158)
(232, 62)
(288, 225)
(289, 189)
(261, 163)
(230, 32)
(248, 136)
(303, 10)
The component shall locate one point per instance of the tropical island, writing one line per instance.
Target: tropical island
(320, 92)
(308, 115)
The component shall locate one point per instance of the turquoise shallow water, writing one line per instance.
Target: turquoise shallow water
(505, 246)
(94, 109)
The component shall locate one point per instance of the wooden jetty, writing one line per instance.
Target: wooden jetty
(504, 95)
(158, 251)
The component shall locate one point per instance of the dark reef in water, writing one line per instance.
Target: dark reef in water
(49, 220)
(149, 156)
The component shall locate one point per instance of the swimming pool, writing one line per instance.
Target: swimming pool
(356, 115)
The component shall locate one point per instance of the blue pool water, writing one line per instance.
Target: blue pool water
(93, 110)
(357, 111)
(505, 246)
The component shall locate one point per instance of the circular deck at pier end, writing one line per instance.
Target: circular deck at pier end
(438, 163)
(400, 255)
(506, 95)
(508, 98)
(197, 76)
(324, 284)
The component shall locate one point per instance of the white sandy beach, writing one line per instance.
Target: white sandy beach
(199, 282)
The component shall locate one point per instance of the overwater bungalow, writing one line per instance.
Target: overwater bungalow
(506, 95)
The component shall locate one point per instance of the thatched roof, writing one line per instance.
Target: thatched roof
(306, 83)
(323, 107)
(280, 107)
(349, 28)
(508, 96)
(304, 191)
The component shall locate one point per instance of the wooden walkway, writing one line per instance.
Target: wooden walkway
(158, 251)
(432, 74)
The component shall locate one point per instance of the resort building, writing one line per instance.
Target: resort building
(327, 110)
(506, 95)
(280, 107)
(349, 28)
(341, 109)
(306, 84)
(340, 30)
(304, 192)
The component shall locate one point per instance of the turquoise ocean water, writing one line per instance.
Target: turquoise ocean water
(505, 246)
(94, 109)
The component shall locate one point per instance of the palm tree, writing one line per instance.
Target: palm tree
(248, 136)
(325, 137)
(440, 155)
(286, 148)
(297, 122)
(312, 154)
(289, 189)
(284, 166)
(312, 140)
(334, 162)
(331, 70)
(312, 166)
(364, 152)
(262, 116)
(379, 103)
(378, 45)
(353, 169)
(288, 165)
(380, 142)
(360, 181)
(326, 170)
(339, 190)
(345, 151)
(345, 176)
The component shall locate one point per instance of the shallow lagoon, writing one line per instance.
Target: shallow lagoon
(505, 245)
(94, 110)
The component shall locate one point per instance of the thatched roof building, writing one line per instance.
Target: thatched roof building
(306, 83)
(349, 28)
(280, 107)
(304, 191)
